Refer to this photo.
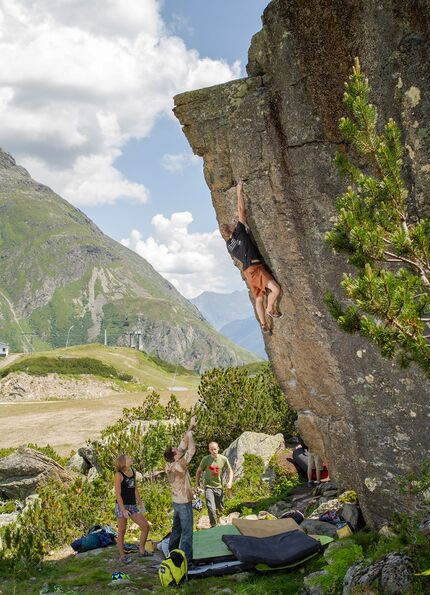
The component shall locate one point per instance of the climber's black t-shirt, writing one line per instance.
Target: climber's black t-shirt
(242, 247)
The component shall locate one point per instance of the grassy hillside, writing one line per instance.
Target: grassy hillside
(146, 369)
(64, 280)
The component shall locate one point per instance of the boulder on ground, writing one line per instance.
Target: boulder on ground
(326, 488)
(351, 514)
(315, 527)
(334, 505)
(253, 443)
(394, 574)
(78, 464)
(89, 454)
(425, 526)
(284, 459)
(25, 469)
(279, 508)
(7, 518)
(92, 474)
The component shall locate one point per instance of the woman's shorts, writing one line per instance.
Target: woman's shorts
(258, 278)
(132, 509)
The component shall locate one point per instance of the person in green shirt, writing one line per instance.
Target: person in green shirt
(212, 467)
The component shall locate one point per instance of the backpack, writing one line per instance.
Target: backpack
(97, 536)
(173, 570)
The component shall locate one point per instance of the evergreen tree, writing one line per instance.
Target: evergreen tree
(389, 294)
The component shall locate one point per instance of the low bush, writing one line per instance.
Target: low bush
(231, 402)
(61, 515)
(341, 557)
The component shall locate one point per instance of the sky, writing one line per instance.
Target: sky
(86, 92)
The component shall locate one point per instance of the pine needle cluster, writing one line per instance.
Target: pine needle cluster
(389, 295)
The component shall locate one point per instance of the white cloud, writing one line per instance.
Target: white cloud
(78, 79)
(192, 261)
(177, 162)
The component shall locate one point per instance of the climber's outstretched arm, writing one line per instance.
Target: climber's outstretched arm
(241, 202)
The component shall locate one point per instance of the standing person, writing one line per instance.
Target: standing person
(211, 467)
(128, 505)
(314, 462)
(178, 460)
(258, 278)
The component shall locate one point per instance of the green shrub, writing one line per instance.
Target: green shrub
(61, 515)
(349, 496)
(158, 503)
(7, 507)
(250, 487)
(5, 452)
(232, 402)
(342, 556)
(146, 449)
(42, 365)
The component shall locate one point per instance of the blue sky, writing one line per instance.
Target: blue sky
(219, 30)
(91, 117)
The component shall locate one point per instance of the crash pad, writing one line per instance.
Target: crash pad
(217, 569)
(277, 550)
(263, 528)
(208, 545)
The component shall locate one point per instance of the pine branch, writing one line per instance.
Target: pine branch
(372, 227)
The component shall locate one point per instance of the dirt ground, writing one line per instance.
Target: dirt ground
(66, 425)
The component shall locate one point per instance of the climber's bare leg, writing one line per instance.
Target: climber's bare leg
(275, 292)
(259, 306)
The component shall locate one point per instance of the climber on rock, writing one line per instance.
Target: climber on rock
(258, 278)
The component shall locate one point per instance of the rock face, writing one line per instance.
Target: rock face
(252, 443)
(277, 129)
(23, 470)
(394, 574)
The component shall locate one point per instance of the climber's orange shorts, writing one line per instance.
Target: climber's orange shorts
(258, 278)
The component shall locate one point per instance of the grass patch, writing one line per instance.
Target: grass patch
(42, 365)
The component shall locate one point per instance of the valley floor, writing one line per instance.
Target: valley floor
(66, 425)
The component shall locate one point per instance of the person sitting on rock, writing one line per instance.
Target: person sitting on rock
(211, 467)
(258, 278)
(128, 505)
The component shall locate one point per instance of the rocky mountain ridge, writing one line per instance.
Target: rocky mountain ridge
(278, 130)
(62, 278)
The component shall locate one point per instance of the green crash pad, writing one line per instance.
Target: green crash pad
(209, 546)
(324, 539)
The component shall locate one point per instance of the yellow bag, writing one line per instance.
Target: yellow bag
(173, 570)
(344, 531)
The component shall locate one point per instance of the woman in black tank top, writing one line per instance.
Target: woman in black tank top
(128, 505)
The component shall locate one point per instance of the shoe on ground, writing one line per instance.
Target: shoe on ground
(126, 560)
(145, 554)
(310, 484)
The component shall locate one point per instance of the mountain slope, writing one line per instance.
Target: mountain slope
(247, 334)
(58, 271)
(221, 308)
